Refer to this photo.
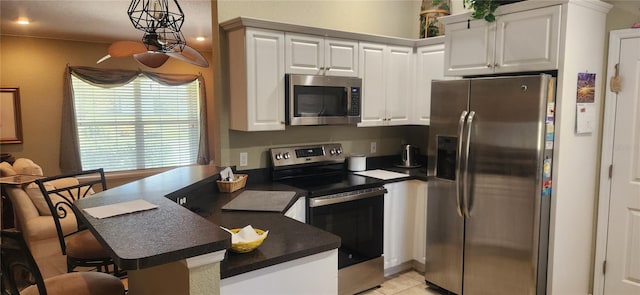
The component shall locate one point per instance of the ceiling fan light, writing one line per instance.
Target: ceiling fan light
(149, 15)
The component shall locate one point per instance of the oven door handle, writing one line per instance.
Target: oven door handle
(345, 197)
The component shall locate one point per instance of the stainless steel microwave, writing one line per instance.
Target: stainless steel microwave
(322, 100)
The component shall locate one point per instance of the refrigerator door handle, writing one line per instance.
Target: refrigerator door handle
(459, 161)
(466, 192)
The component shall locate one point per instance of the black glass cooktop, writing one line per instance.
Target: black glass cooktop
(332, 184)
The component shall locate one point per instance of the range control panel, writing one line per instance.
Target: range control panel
(300, 155)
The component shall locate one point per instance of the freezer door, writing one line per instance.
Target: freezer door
(505, 164)
(445, 227)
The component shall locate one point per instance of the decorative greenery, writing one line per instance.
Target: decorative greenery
(440, 4)
(482, 9)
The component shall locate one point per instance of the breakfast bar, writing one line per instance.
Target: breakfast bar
(173, 249)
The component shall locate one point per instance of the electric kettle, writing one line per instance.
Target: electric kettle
(409, 156)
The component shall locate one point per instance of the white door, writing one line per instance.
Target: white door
(623, 246)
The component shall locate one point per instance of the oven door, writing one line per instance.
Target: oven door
(357, 218)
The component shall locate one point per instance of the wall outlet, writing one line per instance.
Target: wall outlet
(374, 148)
(244, 159)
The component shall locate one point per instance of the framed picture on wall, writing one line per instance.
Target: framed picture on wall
(10, 121)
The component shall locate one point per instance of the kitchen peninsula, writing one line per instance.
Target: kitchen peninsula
(172, 250)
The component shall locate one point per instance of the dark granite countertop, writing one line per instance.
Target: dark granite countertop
(183, 234)
(288, 239)
(173, 232)
(158, 236)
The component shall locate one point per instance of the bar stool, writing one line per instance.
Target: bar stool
(80, 246)
(21, 276)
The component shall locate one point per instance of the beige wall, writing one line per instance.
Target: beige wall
(399, 18)
(37, 67)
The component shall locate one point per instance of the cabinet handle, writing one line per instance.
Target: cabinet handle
(322, 68)
(488, 65)
(496, 65)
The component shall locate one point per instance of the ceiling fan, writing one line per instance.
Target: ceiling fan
(162, 37)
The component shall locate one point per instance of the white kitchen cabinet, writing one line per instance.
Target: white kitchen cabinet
(399, 215)
(387, 74)
(314, 274)
(516, 42)
(429, 67)
(297, 211)
(405, 226)
(317, 55)
(256, 78)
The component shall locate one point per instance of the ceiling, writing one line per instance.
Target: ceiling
(107, 20)
(102, 21)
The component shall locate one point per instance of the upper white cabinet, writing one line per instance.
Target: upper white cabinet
(317, 55)
(256, 78)
(516, 42)
(429, 67)
(387, 74)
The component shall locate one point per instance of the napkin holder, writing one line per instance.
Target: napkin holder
(229, 186)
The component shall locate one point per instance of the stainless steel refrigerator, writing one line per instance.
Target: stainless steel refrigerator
(489, 184)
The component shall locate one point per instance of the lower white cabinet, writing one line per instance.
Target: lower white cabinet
(404, 225)
(315, 274)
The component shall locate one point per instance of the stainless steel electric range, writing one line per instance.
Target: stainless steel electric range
(347, 205)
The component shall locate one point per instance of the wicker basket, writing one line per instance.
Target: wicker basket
(238, 182)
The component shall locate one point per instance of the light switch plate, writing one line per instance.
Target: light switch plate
(244, 158)
(373, 147)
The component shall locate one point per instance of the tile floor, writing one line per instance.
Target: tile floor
(406, 283)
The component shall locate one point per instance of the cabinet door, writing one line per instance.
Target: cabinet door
(341, 57)
(257, 93)
(400, 69)
(430, 66)
(469, 48)
(304, 54)
(528, 40)
(372, 71)
(399, 220)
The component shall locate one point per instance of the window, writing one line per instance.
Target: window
(140, 125)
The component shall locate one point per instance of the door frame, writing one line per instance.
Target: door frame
(608, 130)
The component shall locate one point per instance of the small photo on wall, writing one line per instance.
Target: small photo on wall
(586, 87)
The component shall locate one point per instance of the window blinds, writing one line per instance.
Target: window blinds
(140, 125)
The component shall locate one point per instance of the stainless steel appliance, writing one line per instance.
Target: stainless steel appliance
(347, 205)
(409, 156)
(489, 173)
(322, 100)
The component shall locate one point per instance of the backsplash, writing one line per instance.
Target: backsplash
(354, 140)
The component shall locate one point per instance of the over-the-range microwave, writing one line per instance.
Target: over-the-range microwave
(322, 100)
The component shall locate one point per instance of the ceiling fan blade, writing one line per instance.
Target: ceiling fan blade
(126, 48)
(151, 59)
(190, 55)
